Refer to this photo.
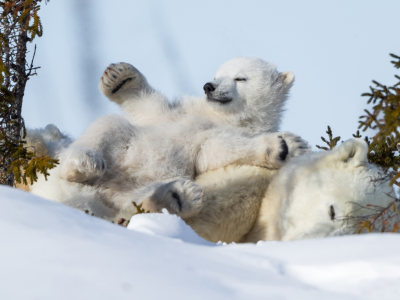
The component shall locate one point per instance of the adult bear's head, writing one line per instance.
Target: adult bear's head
(249, 91)
(325, 193)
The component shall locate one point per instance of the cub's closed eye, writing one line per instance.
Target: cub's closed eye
(240, 79)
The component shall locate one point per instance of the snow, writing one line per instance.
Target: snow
(166, 225)
(50, 251)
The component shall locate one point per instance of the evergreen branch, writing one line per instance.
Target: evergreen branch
(19, 24)
(332, 141)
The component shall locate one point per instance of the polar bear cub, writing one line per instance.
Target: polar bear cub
(115, 162)
(310, 197)
(246, 92)
(125, 159)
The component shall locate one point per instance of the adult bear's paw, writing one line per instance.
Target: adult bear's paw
(120, 77)
(82, 166)
(181, 197)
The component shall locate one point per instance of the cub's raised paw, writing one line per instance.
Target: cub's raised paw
(121, 78)
(82, 166)
(279, 147)
(181, 197)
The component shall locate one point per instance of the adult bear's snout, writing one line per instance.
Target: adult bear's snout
(208, 88)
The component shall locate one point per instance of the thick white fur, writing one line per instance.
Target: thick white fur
(248, 204)
(132, 163)
(257, 103)
(116, 161)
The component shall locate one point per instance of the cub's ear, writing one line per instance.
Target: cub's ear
(353, 152)
(288, 79)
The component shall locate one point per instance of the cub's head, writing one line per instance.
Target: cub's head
(250, 89)
(320, 191)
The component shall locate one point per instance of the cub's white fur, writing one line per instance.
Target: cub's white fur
(256, 101)
(155, 151)
(248, 204)
(132, 163)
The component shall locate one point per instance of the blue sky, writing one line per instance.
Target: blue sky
(335, 49)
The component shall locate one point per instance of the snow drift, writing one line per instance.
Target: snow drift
(52, 251)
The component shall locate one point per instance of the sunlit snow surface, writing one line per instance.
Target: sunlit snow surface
(50, 251)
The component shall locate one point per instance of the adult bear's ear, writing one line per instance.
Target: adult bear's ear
(288, 79)
(353, 153)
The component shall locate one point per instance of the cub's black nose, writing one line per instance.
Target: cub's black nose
(208, 88)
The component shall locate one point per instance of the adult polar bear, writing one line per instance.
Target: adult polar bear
(116, 161)
(309, 197)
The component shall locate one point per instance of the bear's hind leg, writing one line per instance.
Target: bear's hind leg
(82, 165)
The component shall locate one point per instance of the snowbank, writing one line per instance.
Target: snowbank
(50, 251)
(166, 225)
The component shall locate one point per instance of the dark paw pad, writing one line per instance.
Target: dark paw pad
(119, 86)
(178, 200)
(284, 150)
